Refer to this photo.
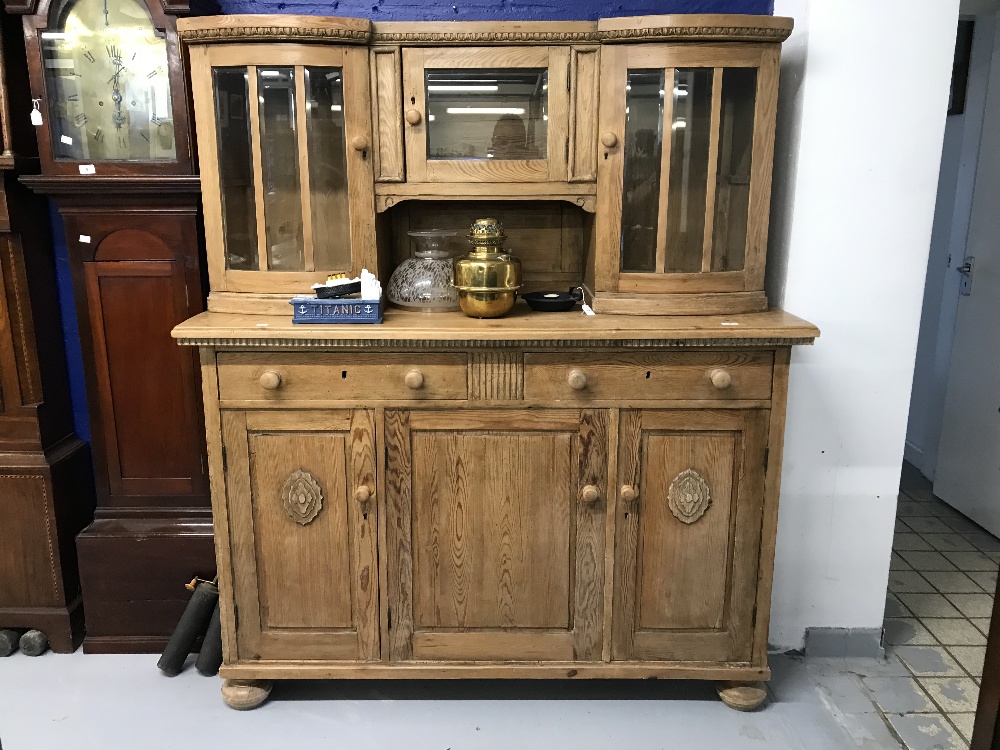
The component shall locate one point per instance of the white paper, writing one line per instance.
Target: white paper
(67, 140)
(87, 169)
(587, 310)
(729, 323)
(36, 117)
(85, 238)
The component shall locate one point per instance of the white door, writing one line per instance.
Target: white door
(968, 470)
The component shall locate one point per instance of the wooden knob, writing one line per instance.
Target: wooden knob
(362, 494)
(270, 380)
(609, 139)
(720, 378)
(413, 116)
(414, 380)
(577, 380)
(590, 494)
(627, 493)
(359, 143)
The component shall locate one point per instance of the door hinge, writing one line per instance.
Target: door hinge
(389, 618)
(767, 455)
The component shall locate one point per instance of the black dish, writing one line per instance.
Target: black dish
(338, 290)
(554, 301)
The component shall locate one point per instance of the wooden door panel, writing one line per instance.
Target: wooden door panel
(687, 548)
(304, 571)
(304, 544)
(491, 559)
(147, 412)
(679, 590)
(492, 553)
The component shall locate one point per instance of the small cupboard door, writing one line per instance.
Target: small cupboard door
(474, 114)
(687, 141)
(495, 534)
(302, 514)
(688, 521)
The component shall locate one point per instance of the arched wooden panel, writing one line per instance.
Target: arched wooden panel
(132, 244)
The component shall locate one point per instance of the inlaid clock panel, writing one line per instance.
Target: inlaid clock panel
(107, 83)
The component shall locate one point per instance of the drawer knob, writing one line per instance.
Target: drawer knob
(414, 380)
(627, 493)
(362, 494)
(609, 139)
(721, 378)
(413, 116)
(590, 494)
(359, 143)
(577, 380)
(270, 380)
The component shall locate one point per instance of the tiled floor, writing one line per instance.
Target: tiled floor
(941, 585)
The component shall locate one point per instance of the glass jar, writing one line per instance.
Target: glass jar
(425, 281)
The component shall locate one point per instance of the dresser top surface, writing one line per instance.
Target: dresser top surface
(521, 325)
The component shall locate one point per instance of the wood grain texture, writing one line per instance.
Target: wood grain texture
(387, 114)
(585, 69)
(399, 550)
(350, 377)
(496, 376)
(721, 303)
(364, 535)
(520, 325)
(688, 590)
(588, 581)
(508, 669)
(637, 377)
(610, 170)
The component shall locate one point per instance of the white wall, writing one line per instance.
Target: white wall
(861, 121)
(948, 240)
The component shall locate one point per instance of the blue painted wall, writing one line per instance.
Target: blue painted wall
(387, 10)
(493, 10)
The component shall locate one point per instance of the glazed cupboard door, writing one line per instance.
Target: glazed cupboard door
(285, 134)
(688, 525)
(495, 534)
(685, 167)
(474, 114)
(303, 528)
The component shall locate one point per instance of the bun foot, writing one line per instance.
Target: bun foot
(742, 696)
(245, 694)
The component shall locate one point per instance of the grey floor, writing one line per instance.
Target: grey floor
(920, 697)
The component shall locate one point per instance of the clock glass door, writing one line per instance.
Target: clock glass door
(107, 85)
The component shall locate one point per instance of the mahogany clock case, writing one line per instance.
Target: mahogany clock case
(46, 491)
(133, 232)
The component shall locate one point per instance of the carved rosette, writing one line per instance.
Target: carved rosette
(689, 496)
(302, 497)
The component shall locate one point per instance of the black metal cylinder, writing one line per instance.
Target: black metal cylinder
(210, 656)
(193, 623)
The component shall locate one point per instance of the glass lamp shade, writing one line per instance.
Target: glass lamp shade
(425, 281)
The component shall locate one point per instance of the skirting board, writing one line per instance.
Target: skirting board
(843, 642)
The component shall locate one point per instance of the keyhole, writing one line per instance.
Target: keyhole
(343, 374)
(605, 154)
(365, 516)
(413, 100)
(647, 375)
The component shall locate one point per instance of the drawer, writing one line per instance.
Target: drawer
(329, 376)
(630, 377)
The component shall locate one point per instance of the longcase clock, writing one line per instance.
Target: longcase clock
(115, 144)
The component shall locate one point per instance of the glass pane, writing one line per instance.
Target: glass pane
(239, 218)
(732, 192)
(328, 169)
(280, 161)
(108, 84)
(689, 144)
(487, 113)
(643, 152)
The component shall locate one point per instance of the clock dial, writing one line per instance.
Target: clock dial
(107, 83)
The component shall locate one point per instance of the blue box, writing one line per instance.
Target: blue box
(312, 310)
